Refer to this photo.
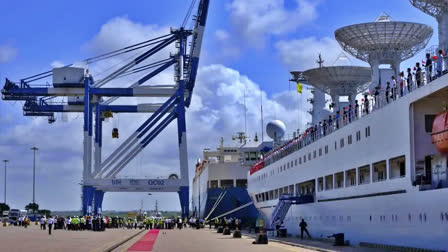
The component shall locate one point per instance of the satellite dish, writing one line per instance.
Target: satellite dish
(173, 176)
(275, 129)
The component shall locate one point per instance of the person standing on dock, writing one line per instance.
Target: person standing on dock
(42, 223)
(278, 224)
(303, 228)
(50, 224)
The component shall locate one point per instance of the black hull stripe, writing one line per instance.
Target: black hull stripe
(364, 196)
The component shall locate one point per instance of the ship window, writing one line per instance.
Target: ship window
(253, 156)
(379, 171)
(326, 149)
(314, 154)
(214, 184)
(246, 156)
(309, 156)
(397, 167)
(300, 160)
(335, 145)
(350, 177)
(320, 152)
(358, 136)
(288, 165)
(320, 184)
(329, 182)
(364, 175)
(349, 139)
(367, 131)
(304, 158)
(295, 162)
(266, 195)
(342, 142)
(241, 183)
(291, 189)
(227, 183)
(276, 193)
(429, 120)
(292, 163)
(271, 195)
(280, 192)
(339, 180)
(285, 190)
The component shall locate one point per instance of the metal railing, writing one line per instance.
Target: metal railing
(380, 99)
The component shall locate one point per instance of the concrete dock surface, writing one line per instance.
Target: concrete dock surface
(204, 240)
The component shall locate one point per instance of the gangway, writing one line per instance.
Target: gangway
(284, 203)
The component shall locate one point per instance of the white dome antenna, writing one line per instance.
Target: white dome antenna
(276, 130)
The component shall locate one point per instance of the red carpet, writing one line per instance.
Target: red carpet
(146, 242)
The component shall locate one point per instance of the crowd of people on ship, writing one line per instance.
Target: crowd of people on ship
(430, 69)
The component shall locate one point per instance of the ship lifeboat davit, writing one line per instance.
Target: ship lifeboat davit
(439, 133)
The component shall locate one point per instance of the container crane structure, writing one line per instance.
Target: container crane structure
(88, 96)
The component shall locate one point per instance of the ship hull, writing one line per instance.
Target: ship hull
(413, 219)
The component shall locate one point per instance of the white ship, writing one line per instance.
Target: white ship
(379, 175)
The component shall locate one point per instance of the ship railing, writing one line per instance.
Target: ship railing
(382, 97)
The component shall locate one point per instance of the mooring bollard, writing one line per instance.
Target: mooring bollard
(226, 230)
(262, 238)
(237, 233)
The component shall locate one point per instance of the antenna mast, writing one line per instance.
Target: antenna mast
(320, 61)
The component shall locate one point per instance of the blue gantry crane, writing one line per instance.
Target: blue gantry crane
(95, 100)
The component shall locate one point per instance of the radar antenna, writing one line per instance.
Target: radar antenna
(240, 136)
(320, 61)
(383, 17)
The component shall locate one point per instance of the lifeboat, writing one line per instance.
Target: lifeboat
(439, 133)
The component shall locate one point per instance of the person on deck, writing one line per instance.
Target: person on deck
(409, 80)
(418, 74)
(428, 68)
(440, 63)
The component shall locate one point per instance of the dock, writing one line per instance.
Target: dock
(14, 238)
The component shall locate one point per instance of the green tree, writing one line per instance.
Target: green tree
(3, 207)
(33, 207)
(45, 212)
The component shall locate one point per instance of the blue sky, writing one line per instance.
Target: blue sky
(244, 47)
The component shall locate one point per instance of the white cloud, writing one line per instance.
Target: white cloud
(56, 64)
(256, 19)
(121, 32)
(301, 54)
(221, 34)
(7, 53)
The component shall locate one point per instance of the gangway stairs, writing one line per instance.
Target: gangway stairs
(284, 203)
